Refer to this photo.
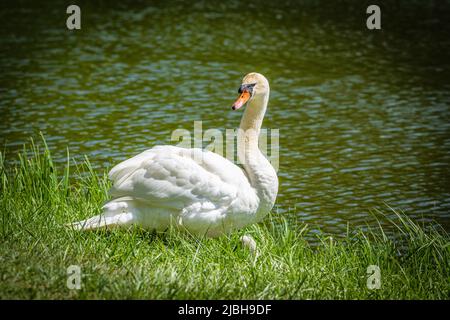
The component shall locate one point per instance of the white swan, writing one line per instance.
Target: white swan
(195, 189)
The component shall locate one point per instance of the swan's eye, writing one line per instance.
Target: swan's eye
(247, 87)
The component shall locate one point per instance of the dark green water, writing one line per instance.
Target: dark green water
(363, 115)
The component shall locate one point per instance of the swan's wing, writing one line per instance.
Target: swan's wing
(124, 169)
(176, 178)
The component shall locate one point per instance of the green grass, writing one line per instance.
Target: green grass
(37, 199)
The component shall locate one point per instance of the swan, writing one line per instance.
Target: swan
(199, 191)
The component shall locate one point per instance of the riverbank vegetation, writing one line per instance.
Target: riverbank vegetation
(38, 198)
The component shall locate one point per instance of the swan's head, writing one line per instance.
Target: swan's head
(254, 85)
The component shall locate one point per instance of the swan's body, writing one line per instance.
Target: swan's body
(196, 189)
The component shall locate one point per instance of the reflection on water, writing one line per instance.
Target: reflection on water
(363, 115)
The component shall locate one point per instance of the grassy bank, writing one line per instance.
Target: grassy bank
(37, 199)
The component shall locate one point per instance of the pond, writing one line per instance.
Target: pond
(363, 115)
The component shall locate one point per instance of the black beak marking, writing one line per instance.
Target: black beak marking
(247, 87)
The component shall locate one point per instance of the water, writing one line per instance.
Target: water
(363, 115)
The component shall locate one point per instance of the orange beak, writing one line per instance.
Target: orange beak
(243, 98)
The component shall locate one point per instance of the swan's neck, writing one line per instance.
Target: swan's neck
(260, 172)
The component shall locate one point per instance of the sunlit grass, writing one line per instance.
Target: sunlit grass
(37, 199)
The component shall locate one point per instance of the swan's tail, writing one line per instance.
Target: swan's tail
(116, 213)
